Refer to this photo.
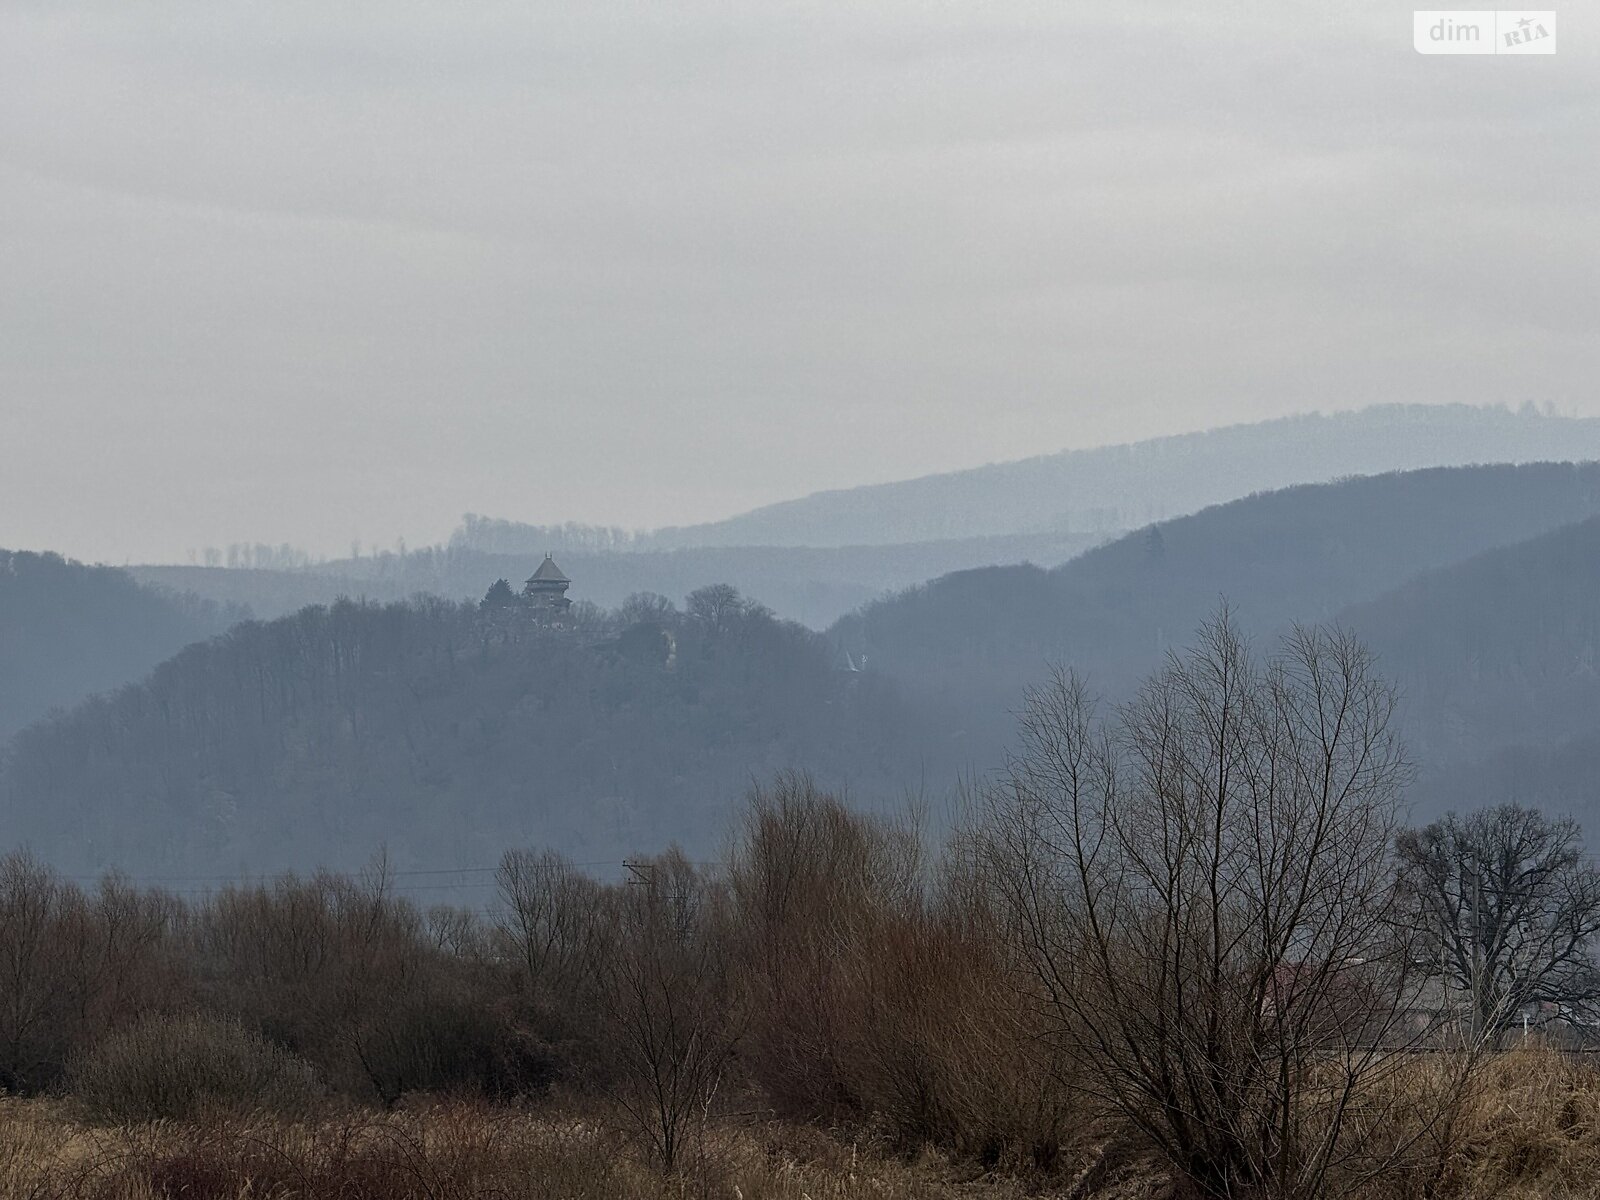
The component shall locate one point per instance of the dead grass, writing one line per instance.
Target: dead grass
(1529, 1127)
(446, 1151)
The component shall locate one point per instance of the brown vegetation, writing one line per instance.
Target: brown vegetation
(445, 1151)
(1201, 889)
(1528, 1129)
(1167, 957)
(184, 1067)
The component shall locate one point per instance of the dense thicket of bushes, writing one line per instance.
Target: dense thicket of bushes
(825, 972)
(184, 1066)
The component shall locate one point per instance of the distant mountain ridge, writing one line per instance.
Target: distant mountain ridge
(420, 726)
(817, 558)
(1131, 485)
(814, 586)
(1497, 659)
(68, 630)
(975, 639)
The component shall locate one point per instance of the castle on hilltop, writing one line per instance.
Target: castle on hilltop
(544, 595)
(547, 588)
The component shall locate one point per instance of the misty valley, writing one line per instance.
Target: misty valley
(892, 601)
(165, 734)
(524, 843)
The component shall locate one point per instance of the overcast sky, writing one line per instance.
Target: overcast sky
(311, 272)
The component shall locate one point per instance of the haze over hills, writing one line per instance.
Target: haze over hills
(976, 638)
(430, 728)
(1498, 659)
(447, 734)
(816, 558)
(814, 586)
(67, 630)
(1501, 649)
(1127, 486)
(427, 727)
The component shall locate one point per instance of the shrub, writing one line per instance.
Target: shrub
(178, 1067)
(438, 1042)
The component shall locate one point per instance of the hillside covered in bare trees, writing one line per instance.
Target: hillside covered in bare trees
(447, 732)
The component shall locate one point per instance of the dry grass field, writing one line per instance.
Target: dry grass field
(443, 1151)
(1528, 1128)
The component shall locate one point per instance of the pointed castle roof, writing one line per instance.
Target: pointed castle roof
(548, 572)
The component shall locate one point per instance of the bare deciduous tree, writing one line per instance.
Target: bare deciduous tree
(718, 605)
(813, 884)
(1202, 885)
(336, 969)
(665, 994)
(33, 984)
(552, 920)
(1507, 906)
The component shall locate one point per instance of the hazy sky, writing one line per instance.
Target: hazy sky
(308, 272)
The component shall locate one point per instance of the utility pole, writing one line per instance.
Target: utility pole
(641, 874)
(1477, 955)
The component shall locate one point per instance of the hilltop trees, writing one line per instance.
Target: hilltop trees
(499, 595)
(716, 605)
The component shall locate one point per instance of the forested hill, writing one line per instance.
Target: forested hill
(1498, 659)
(1123, 487)
(974, 639)
(67, 630)
(447, 736)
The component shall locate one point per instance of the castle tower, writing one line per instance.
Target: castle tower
(546, 588)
